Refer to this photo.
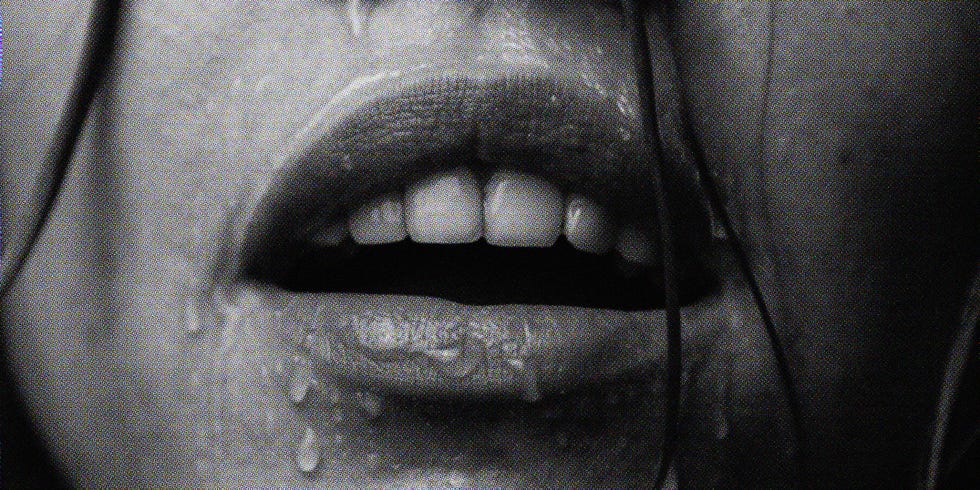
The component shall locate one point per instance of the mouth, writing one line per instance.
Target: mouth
(469, 234)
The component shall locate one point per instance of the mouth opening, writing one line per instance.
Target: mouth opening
(477, 274)
(474, 236)
(491, 237)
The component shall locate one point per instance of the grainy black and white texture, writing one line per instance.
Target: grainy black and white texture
(180, 321)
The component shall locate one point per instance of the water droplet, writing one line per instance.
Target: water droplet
(514, 343)
(457, 479)
(346, 163)
(551, 412)
(229, 315)
(612, 398)
(717, 227)
(381, 336)
(625, 107)
(527, 377)
(624, 133)
(193, 314)
(355, 15)
(300, 379)
(370, 403)
(443, 356)
(310, 343)
(460, 363)
(308, 452)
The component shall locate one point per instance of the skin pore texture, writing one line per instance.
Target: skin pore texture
(842, 136)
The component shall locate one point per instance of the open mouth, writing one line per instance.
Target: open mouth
(509, 238)
(468, 234)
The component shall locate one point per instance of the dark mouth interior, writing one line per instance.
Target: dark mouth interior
(476, 274)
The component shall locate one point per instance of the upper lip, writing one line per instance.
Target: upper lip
(387, 129)
(393, 127)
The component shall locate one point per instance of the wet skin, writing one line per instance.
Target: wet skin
(847, 162)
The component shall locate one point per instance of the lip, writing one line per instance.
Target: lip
(431, 347)
(385, 130)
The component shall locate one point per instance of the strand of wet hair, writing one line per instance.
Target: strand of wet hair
(90, 73)
(636, 34)
(954, 383)
(644, 68)
(643, 64)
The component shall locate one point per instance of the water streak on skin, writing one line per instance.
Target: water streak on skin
(308, 452)
(332, 106)
(193, 315)
(300, 379)
(355, 16)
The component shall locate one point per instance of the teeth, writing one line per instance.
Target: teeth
(587, 225)
(634, 247)
(521, 211)
(445, 208)
(512, 210)
(379, 221)
(331, 235)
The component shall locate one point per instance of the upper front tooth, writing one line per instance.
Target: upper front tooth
(587, 225)
(521, 210)
(634, 246)
(379, 221)
(445, 208)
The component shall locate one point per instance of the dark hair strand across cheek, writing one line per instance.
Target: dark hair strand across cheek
(642, 63)
(89, 77)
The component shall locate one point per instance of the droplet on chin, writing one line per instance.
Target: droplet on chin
(329, 393)
(308, 452)
(372, 461)
(561, 440)
(300, 379)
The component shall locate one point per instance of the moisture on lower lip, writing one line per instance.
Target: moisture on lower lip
(344, 425)
(454, 352)
(423, 346)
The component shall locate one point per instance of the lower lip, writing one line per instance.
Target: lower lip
(435, 348)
